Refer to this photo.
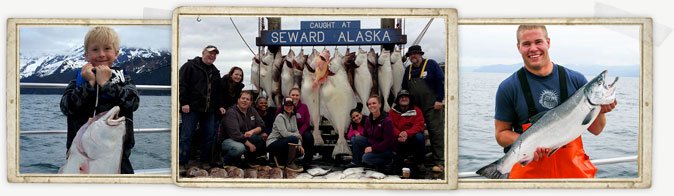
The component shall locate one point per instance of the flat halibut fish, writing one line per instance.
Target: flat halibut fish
(97, 147)
(556, 127)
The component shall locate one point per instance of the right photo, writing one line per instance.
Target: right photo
(548, 101)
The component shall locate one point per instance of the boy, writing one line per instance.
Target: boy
(101, 48)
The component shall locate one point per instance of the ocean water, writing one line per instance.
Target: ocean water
(478, 147)
(46, 153)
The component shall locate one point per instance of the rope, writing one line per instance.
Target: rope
(423, 32)
(96, 103)
(244, 40)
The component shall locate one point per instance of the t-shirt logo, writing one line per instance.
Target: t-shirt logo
(549, 99)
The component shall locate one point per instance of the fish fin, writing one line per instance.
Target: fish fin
(589, 116)
(84, 167)
(525, 162)
(537, 117)
(491, 171)
(553, 151)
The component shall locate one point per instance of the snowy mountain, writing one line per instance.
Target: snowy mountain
(144, 66)
(136, 61)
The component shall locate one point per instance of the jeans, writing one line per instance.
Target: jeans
(232, 150)
(378, 159)
(308, 145)
(279, 149)
(415, 145)
(206, 121)
(358, 145)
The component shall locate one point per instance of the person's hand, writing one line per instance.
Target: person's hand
(264, 136)
(88, 74)
(402, 139)
(300, 149)
(103, 74)
(608, 107)
(248, 134)
(251, 147)
(223, 111)
(540, 153)
(357, 134)
(185, 109)
(438, 105)
(368, 149)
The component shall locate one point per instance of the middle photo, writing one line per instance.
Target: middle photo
(304, 98)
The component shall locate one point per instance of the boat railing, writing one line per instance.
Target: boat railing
(596, 162)
(140, 130)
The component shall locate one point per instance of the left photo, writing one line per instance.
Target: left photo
(92, 100)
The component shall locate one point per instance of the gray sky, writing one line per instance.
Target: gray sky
(56, 39)
(569, 45)
(219, 31)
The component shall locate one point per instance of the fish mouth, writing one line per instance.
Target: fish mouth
(114, 119)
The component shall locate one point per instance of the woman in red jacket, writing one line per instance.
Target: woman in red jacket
(408, 127)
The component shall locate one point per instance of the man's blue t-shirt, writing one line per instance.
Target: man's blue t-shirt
(511, 105)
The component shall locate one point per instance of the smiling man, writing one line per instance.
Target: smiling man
(199, 87)
(538, 87)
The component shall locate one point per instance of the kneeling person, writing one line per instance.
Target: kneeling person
(241, 128)
(408, 128)
(284, 142)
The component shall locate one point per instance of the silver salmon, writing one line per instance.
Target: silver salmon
(556, 127)
(97, 147)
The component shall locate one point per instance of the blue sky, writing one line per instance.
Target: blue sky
(55, 39)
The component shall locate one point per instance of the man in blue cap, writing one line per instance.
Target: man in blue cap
(425, 80)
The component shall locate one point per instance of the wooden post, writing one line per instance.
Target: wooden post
(274, 24)
(388, 23)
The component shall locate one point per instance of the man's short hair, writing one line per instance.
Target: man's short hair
(523, 28)
(246, 92)
(101, 34)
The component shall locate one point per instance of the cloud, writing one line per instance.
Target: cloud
(58, 39)
(569, 45)
(219, 31)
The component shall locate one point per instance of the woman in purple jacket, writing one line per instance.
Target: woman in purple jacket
(376, 146)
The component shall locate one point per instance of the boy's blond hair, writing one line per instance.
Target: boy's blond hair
(101, 34)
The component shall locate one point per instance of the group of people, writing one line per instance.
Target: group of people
(387, 140)
(231, 126)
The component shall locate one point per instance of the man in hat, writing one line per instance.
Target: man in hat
(199, 88)
(408, 127)
(425, 80)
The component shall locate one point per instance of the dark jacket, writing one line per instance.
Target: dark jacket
(379, 132)
(79, 98)
(435, 78)
(268, 119)
(235, 123)
(230, 96)
(200, 86)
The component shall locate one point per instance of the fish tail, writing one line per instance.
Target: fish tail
(491, 171)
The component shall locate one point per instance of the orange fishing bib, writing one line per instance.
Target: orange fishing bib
(569, 161)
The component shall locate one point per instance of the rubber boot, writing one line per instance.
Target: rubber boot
(292, 157)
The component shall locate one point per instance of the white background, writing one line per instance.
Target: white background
(660, 11)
